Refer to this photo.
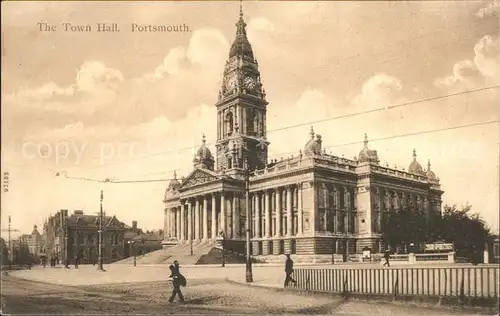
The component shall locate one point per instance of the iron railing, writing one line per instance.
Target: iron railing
(460, 282)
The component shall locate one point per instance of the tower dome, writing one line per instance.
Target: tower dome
(415, 166)
(241, 46)
(313, 146)
(366, 154)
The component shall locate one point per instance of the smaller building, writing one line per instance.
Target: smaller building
(141, 243)
(34, 242)
(495, 253)
(68, 237)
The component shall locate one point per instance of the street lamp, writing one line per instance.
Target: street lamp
(100, 259)
(191, 246)
(223, 252)
(66, 253)
(131, 243)
(248, 272)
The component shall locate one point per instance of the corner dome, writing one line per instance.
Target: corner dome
(431, 176)
(203, 152)
(174, 184)
(366, 154)
(313, 146)
(415, 166)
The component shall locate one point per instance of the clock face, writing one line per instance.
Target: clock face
(230, 83)
(250, 83)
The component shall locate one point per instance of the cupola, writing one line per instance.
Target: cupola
(203, 158)
(415, 166)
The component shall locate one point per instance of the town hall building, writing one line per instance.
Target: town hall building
(310, 205)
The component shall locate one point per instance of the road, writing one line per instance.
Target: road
(203, 296)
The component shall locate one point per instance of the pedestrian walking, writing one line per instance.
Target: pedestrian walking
(386, 257)
(178, 280)
(289, 271)
(76, 262)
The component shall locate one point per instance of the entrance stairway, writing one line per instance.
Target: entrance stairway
(180, 252)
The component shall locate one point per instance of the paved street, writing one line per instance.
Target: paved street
(145, 289)
(203, 296)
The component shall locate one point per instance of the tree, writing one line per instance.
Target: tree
(404, 228)
(467, 231)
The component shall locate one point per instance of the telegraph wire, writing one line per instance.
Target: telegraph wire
(112, 180)
(385, 108)
(400, 136)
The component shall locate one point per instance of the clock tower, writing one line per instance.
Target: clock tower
(241, 108)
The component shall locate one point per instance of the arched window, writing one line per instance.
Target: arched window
(250, 121)
(229, 123)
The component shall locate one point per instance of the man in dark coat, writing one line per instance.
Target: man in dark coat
(178, 280)
(289, 271)
(386, 257)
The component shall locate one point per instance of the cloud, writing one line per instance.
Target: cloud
(378, 91)
(493, 8)
(484, 68)
(94, 75)
(465, 73)
(487, 56)
(100, 95)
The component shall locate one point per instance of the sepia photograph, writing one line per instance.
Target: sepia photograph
(245, 157)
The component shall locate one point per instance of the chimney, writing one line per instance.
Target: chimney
(134, 225)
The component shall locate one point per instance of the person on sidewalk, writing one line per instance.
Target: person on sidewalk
(289, 271)
(178, 280)
(386, 257)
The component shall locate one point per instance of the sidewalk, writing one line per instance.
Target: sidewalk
(89, 275)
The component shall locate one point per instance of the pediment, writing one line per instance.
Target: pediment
(198, 176)
(114, 222)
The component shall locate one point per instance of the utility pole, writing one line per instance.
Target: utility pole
(248, 273)
(66, 234)
(100, 259)
(9, 230)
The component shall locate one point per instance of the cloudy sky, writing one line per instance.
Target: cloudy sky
(132, 105)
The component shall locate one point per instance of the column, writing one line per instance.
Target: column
(278, 212)
(289, 214)
(300, 219)
(267, 214)
(214, 217)
(205, 218)
(182, 222)
(236, 220)
(257, 215)
(189, 221)
(166, 226)
(223, 214)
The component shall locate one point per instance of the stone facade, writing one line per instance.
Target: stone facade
(69, 235)
(312, 204)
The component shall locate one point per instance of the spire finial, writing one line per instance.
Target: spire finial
(428, 164)
(312, 132)
(203, 139)
(175, 175)
(414, 154)
(240, 26)
(366, 140)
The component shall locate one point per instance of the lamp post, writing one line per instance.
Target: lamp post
(248, 272)
(223, 252)
(191, 246)
(131, 243)
(100, 258)
(66, 252)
